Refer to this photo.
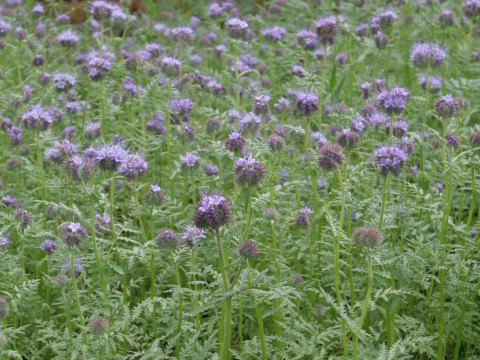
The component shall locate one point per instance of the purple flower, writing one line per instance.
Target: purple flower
(15, 134)
(307, 39)
(155, 193)
(381, 40)
(182, 108)
(306, 104)
(182, 33)
(131, 87)
(190, 160)
(212, 211)
(330, 156)
(10, 201)
(427, 54)
(327, 29)
(63, 19)
(77, 267)
(4, 241)
(192, 235)
(48, 246)
(74, 234)
(68, 38)
(101, 10)
(302, 219)
(4, 27)
(393, 101)
(54, 155)
(348, 138)
(249, 250)
(211, 169)
(37, 118)
(282, 105)
(80, 167)
(434, 84)
(235, 142)
(390, 159)
(236, 28)
(98, 67)
(110, 156)
(447, 106)
(453, 140)
(133, 167)
(276, 142)
(248, 171)
(64, 81)
(249, 123)
(103, 221)
(167, 239)
(447, 17)
(38, 60)
(298, 71)
(92, 130)
(342, 58)
(400, 128)
(275, 33)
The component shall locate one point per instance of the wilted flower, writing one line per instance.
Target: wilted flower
(368, 237)
(99, 325)
(249, 250)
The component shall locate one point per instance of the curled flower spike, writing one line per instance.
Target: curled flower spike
(249, 250)
(306, 104)
(236, 28)
(447, 106)
(330, 156)
(303, 217)
(393, 101)
(427, 54)
(167, 239)
(368, 237)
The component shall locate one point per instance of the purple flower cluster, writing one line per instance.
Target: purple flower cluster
(390, 159)
(393, 101)
(212, 211)
(427, 54)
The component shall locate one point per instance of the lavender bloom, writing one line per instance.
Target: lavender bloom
(215, 10)
(80, 167)
(428, 54)
(40, 29)
(44, 78)
(4, 27)
(48, 246)
(434, 84)
(68, 132)
(282, 105)
(307, 39)
(4, 241)
(103, 221)
(327, 29)
(330, 157)
(472, 8)
(453, 140)
(110, 156)
(133, 167)
(248, 171)
(37, 118)
(298, 71)
(438, 186)
(386, 19)
(275, 33)
(54, 155)
(190, 160)
(77, 267)
(74, 234)
(348, 138)
(193, 234)
(400, 128)
(368, 89)
(167, 239)
(182, 108)
(249, 123)
(155, 193)
(342, 58)
(10, 201)
(303, 217)
(235, 142)
(64, 81)
(92, 130)
(393, 101)
(260, 105)
(447, 106)
(406, 145)
(212, 211)
(15, 134)
(306, 104)
(101, 10)
(131, 87)
(66, 147)
(68, 38)
(318, 138)
(390, 159)
(98, 67)
(63, 19)
(236, 28)
(182, 33)
(362, 30)
(21, 33)
(211, 169)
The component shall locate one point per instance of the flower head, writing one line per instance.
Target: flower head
(390, 159)
(368, 237)
(48, 246)
(167, 239)
(447, 106)
(306, 104)
(249, 250)
(192, 235)
(303, 217)
(111, 156)
(248, 171)
(307, 39)
(37, 118)
(235, 142)
(393, 101)
(330, 156)
(212, 211)
(327, 29)
(236, 28)
(133, 167)
(427, 54)
(73, 234)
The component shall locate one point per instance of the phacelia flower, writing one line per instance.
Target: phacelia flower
(167, 239)
(327, 29)
(236, 28)
(260, 105)
(101, 10)
(235, 142)
(64, 81)
(307, 39)
(303, 217)
(249, 123)
(276, 142)
(249, 250)
(212, 211)
(190, 160)
(68, 38)
(453, 140)
(447, 106)
(98, 325)
(367, 237)
(427, 54)
(306, 104)
(275, 33)
(248, 171)
(98, 67)
(211, 169)
(348, 138)
(110, 157)
(23, 217)
(9, 201)
(37, 118)
(400, 128)
(133, 167)
(192, 235)
(155, 194)
(330, 156)
(434, 84)
(171, 67)
(49, 246)
(390, 159)
(73, 234)
(393, 101)
(381, 40)
(77, 267)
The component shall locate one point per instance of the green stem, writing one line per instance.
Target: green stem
(180, 305)
(169, 152)
(77, 300)
(228, 302)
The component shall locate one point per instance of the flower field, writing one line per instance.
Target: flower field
(240, 180)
